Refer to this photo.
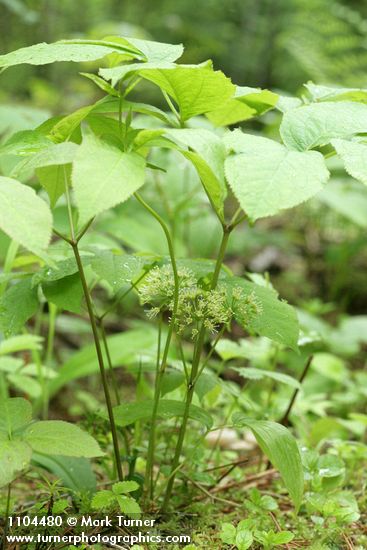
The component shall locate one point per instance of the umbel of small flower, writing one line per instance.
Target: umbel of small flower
(196, 305)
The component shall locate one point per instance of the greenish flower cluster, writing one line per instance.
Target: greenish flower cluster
(196, 305)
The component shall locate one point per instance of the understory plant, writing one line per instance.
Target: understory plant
(62, 183)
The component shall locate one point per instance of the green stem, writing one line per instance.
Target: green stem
(102, 369)
(194, 372)
(109, 362)
(124, 430)
(163, 365)
(36, 356)
(93, 322)
(8, 263)
(51, 333)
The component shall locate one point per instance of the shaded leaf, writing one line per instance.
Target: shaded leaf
(56, 437)
(278, 444)
(65, 293)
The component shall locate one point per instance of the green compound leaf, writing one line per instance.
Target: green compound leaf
(195, 90)
(56, 437)
(266, 177)
(354, 156)
(317, 124)
(207, 153)
(246, 103)
(65, 50)
(103, 176)
(278, 444)
(24, 216)
(142, 410)
(90, 50)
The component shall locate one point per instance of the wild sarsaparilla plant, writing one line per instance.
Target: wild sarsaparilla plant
(101, 155)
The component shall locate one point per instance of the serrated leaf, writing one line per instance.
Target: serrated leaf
(65, 50)
(24, 216)
(354, 156)
(57, 437)
(196, 90)
(278, 444)
(245, 104)
(103, 499)
(228, 533)
(122, 487)
(128, 506)
(57, 154)
(156, 51)
(142, 410)
(18, 304)
(244, 539)
(207, 154)
(103, 176)
(317, 124)
(266, 177)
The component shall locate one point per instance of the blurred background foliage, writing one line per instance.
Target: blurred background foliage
(278, 44)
